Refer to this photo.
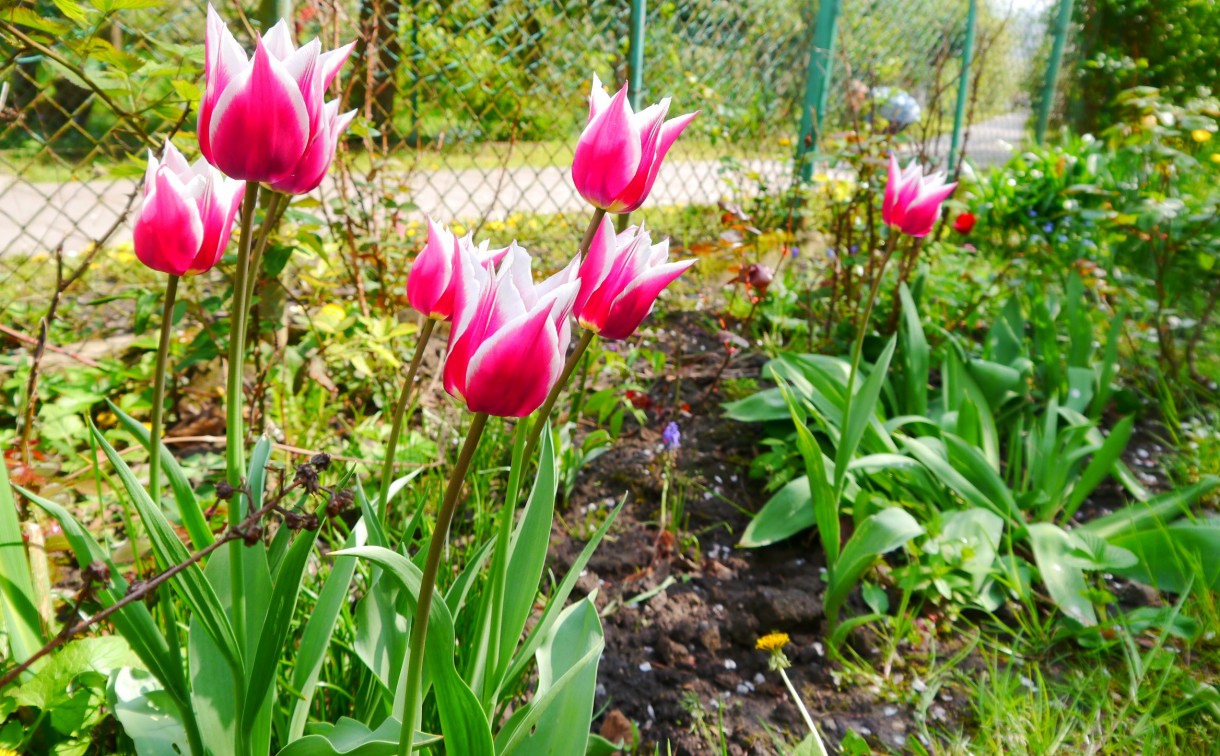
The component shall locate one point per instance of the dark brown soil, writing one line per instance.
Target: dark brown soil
(681, 664)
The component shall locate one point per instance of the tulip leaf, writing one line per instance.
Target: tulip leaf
(878, 534)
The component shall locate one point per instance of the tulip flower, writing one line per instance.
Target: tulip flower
(964, 223)
(433, 277)
(912, 200)
(265, 119)
(621, 278)
(509, 338)
(620, 151)
(187, 216)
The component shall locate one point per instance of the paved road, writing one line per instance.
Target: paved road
(37, 217)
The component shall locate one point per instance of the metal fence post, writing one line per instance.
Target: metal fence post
(1052, 68)
(635, 74)
(817, 83)
(963, 85)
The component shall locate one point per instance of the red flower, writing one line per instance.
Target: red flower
(964, 223)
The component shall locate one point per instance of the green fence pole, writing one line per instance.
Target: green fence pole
(272, 11)
(963, 85)
(817, 83)
(635, 74)
(1052, 68)
(635, 53)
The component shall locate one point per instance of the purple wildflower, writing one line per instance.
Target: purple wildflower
(671, 437)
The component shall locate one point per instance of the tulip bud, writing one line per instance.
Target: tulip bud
(620, 151)
(433, 276)
(621, 278)
(266, 119)
(510, 336)
(912, 200)
(187, 216)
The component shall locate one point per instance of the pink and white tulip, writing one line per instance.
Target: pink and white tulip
(620, 151)
(621, 278)
(433, 277)
(510, 336)
(912, 200)
(266, 119)
(187, 216)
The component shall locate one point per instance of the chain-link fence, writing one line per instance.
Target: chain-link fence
(475, 105)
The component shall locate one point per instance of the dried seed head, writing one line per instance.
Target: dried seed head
(97, 572)
(321, 461)
(307, 478)
(339, 501)
(253, 535)
(225, 491)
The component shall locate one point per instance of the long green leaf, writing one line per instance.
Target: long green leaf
(1161, 509)
(1064, 580)
(134, 622)
(557, 718)
(554, 605)
(21, 621)
(825, 502)
(862, 411)
(189, 510)
(275, 626)
(315, 639)
(463, 721)
(349, 737)
(878, 534)
(1173, 557)
(915, 358)
(190, 583)
(1100, 465)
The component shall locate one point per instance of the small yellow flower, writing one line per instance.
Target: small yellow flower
(457, 228)
(785, 141)
(333, 312)
(772, 642)
(1201, 135)
(105, 419)
(1216, 158)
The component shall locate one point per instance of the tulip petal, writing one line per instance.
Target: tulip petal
(598, 99)
(631, 307)
(260, 125)
(634, 195)
(608, 153)
(311, 169)
(168, 232)
(431, 281)
(329, 63)
(892, 186)
(596, 265)
(278, 41)
(217, 210)
(513, 371)
(223, 60)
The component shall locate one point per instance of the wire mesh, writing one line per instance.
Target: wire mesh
(475, 105)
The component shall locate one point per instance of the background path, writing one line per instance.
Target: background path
(35, 217)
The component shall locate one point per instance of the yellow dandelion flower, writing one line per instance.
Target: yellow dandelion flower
(785, 141)
(1201, 135)
(1216, 157)
(772, 642)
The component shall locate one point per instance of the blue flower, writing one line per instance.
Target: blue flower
(831, 254)
(795, 252)
(1061, 238)
(671, 437)
(1048, 227)
(855, 248)
(1033, 213)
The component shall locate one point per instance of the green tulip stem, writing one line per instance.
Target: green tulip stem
(235, 453)
(818, 745)
(158, 407)
(419, 628)
(400, 412)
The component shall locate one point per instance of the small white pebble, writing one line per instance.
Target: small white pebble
(759, 678)
(819, 648)
(651, 713)
(744, 689)
(890, 711)
(645, 667)
(730, 664)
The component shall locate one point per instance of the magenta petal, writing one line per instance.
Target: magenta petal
(329, 63)
(892, 186)
(168, 232)
(598, 99)
(308, 173)
(632, 197)
(513, 371)
(608, 154)
(596, 265)
(432, 274)
(223, 60)
(217, 209)
(260, 126)
(637, 300)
